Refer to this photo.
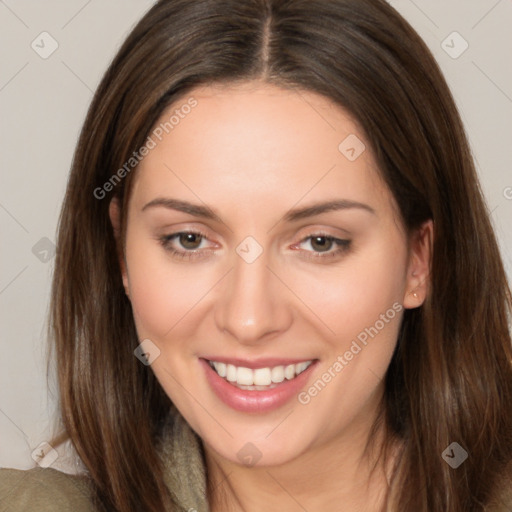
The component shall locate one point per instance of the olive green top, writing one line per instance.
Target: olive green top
(49, 490)
(43, 489)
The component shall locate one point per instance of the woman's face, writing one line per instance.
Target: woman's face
(294, 254)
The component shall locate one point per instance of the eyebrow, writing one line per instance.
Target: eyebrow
(295, 214)
(183, 206)
(328, 206)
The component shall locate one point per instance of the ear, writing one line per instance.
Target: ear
(418, 270)
(114, 212)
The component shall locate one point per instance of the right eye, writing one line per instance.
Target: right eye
(184, 244)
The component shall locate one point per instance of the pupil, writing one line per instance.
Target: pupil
(322, 243)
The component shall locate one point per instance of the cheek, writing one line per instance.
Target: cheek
(162, 293)
(361, 302)
(350, 296)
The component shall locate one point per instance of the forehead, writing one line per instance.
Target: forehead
(254, 140)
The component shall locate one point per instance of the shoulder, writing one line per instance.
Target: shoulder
(43, 489)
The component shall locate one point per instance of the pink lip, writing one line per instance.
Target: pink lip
(256, 363)
(252, 400)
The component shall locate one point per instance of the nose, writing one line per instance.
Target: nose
(253, 305)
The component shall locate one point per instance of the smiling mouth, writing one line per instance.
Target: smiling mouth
(259, 379)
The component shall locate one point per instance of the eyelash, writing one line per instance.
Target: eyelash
(343, 246)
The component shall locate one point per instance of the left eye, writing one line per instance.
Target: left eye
(189, 240)
(322, 245)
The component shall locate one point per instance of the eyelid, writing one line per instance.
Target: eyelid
(330, 231)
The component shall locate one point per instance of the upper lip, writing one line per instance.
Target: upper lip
(264, 362)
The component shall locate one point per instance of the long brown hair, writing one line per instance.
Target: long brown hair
(450, 378)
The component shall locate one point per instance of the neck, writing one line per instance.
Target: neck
(344, 473)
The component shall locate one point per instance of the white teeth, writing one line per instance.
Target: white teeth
(300, 367)
(277, 374)
(262, 377)
(220, 368)
(289, 371)
(247, 378)
(244, 376)
(231, 373)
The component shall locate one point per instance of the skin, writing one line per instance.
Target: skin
(252, 152)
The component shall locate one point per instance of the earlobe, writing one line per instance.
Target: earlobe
(418, 272)
(115, 219)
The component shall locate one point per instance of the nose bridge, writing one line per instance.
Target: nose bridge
(252, 305)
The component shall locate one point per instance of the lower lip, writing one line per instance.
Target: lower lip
(245, 400)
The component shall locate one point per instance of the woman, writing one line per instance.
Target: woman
(276, 284)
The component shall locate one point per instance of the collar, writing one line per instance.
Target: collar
(181, 451)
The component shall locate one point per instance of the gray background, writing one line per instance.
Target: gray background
(43, 102)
